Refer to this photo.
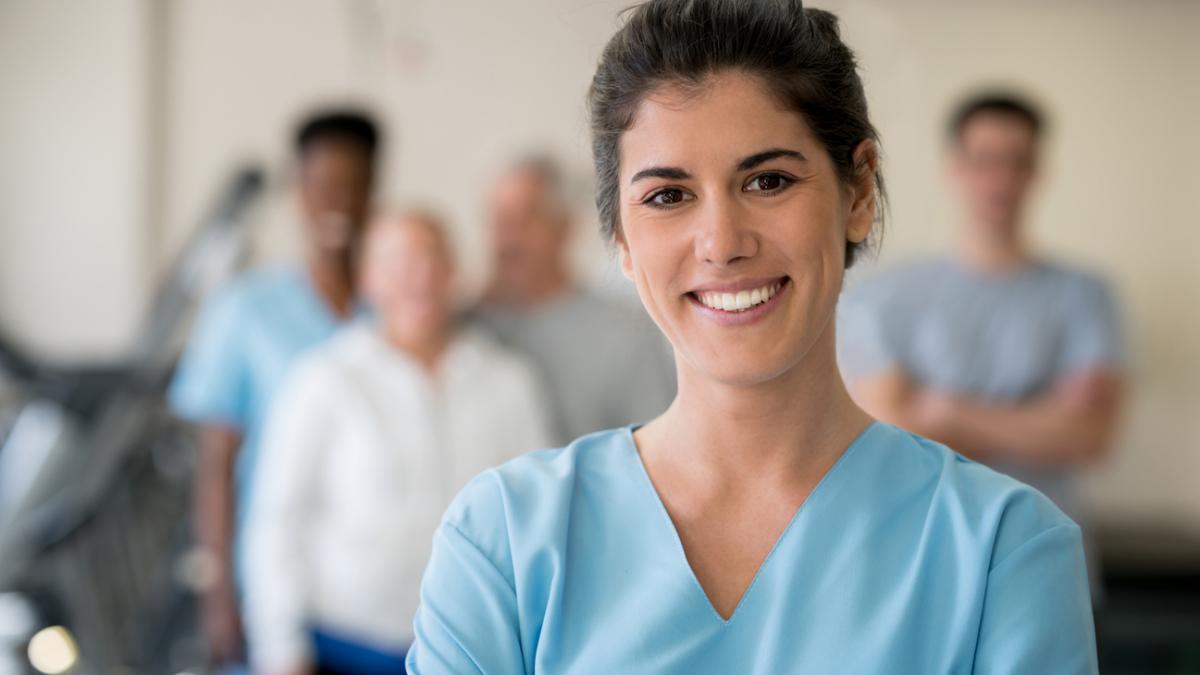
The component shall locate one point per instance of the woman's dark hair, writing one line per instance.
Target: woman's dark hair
(797, 52)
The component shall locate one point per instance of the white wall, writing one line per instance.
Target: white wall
(73, 155)
(464, 85)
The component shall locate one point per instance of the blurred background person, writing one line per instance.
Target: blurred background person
(604, 364)
(249, 334)
(365, 445)
(1007, 357)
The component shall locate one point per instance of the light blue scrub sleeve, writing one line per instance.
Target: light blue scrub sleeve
(468, 618)
(211, 381)
(1037, 615)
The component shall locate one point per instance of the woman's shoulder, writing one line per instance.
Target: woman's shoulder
(994, 509)
(535, 489)
(536, 478)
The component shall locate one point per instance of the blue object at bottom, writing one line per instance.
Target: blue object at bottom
(336, 654)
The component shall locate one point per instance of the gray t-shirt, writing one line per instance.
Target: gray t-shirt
(605, 365)
(1000, 338)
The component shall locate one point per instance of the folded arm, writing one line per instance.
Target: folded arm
(1070, 424)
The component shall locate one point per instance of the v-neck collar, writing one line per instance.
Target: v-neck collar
(818, 492)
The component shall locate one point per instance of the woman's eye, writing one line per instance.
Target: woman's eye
(667, 197)
(768, 182)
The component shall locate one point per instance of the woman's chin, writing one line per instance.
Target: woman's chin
(744, 371)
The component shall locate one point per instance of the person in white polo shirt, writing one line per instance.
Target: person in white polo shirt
(370, 438)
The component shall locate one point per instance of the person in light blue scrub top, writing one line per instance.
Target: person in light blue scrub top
(248, 335)
(763, 523)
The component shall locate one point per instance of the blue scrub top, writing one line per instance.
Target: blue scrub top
(244, 341)
(906, 558)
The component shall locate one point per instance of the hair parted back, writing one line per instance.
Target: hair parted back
(797, 52)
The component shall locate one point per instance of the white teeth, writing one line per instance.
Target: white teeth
(741, 301)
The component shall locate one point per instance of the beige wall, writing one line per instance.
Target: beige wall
(463, 85)
(73, 160)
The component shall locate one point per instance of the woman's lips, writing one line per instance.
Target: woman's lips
(739, 300)
(740, 307)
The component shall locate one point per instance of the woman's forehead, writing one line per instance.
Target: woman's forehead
(728, 116)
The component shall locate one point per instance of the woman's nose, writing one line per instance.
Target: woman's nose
(723, 235)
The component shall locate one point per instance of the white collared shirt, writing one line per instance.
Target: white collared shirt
(362, 452)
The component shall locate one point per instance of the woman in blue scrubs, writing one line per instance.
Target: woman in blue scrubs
(763, 523)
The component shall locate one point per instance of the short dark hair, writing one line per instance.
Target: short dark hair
(994, 102)
(797, 52)
(351, 126)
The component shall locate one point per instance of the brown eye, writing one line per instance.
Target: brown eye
(668, 197)
(768, 182)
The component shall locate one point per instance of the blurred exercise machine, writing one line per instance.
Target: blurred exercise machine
(95, 485)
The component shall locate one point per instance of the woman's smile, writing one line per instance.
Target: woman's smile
(739, 303)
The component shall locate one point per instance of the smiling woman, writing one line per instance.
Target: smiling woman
(763, 523)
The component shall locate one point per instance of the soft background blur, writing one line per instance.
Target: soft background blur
(121, 118)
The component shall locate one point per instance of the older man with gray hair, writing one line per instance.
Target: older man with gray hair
(604, 364)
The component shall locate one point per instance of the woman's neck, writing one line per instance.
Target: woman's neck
(791, 428)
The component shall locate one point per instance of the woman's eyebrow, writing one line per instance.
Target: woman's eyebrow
(675, 173)
(768, 155)
(669, 172)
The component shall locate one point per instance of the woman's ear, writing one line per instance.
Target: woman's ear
(623, 251)
(864, 198)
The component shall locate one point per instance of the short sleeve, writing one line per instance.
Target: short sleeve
(211, 382)
(468, 619)
(1093, 329)
(863, 348)
(1037, 615)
